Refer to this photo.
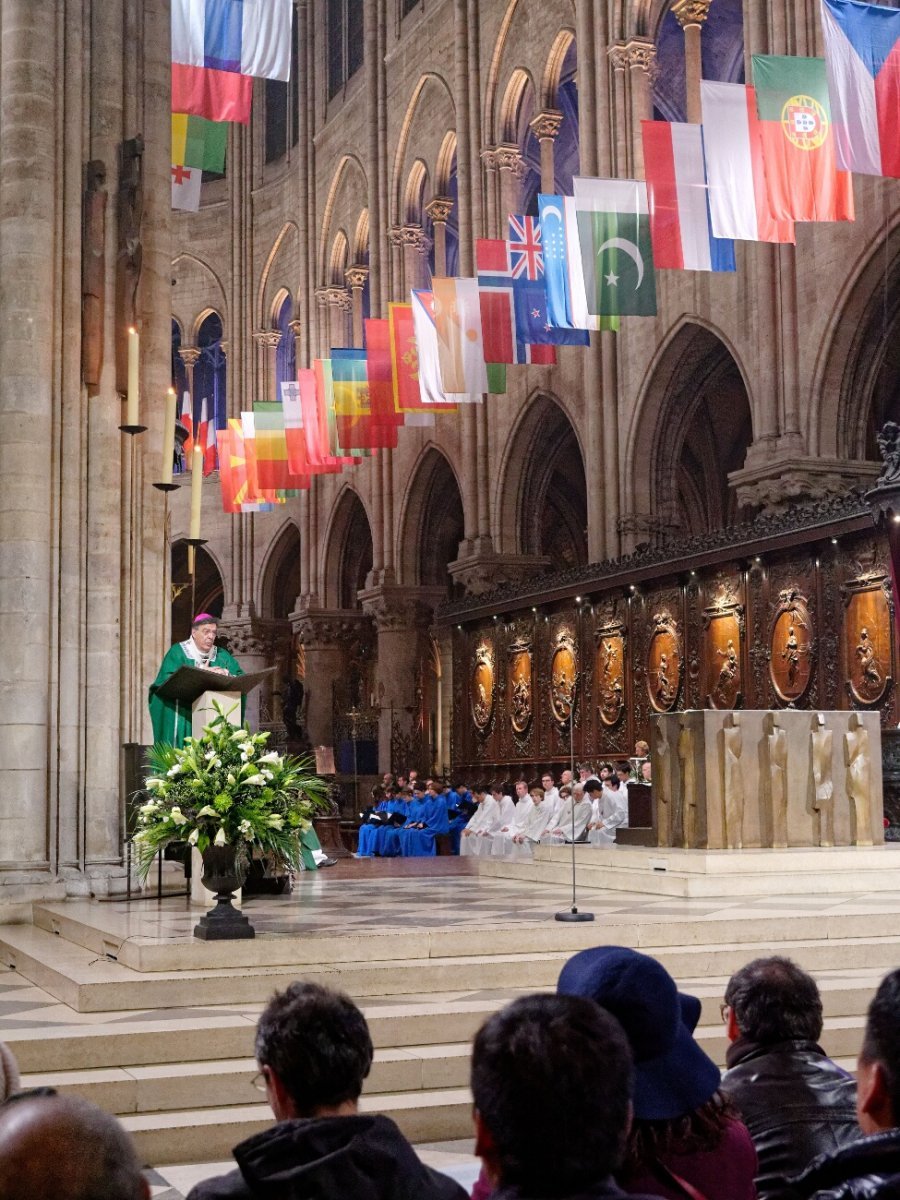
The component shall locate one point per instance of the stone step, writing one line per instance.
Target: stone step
(91, 984)
(208, 1134)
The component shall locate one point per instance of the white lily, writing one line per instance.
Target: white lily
(147, 809)
(240, 735)
(153, 783)
(246, 828)
(231, 780)
(174, 770)
(192, 837)
(177, 816)
(221, 839)
(256, 780)
(272, 757)
(275, 821)
(268, 774)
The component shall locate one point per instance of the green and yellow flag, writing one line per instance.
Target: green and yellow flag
(198, 143)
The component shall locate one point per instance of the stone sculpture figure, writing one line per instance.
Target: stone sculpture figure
(733, 780)
(662, 791)
(728, 671)
(822, 741)
(868, 661)
(858, 759)
(93, 273)
(776, 742)
(888, 439)
(688, 786)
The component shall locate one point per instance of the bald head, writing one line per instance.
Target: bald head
(68, 1149)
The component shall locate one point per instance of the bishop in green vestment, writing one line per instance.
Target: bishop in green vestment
(171, 720)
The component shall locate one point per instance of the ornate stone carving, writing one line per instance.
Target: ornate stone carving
(509, 158)
(733, 782)
(489, 158)
(664, 662)
(791, 647)
(356, 277)
(329, 628)
(189, 355)
(439, 209)
(858, 758)
(480, 573)
(822, 752)
(269, 338)
(253, 638)
(546, 125)
(618, 56)
(641, 54)
(775, 484)
(690, 12)
(482, 688)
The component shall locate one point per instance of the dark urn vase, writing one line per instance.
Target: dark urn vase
(223, 922)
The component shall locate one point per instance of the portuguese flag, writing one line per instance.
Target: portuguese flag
(792, 101)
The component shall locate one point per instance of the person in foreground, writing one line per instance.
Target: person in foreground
(869, 1168)
(795, 1101)
(65, 1148)
(314, 1051)
(171, 719)
(551, 1080)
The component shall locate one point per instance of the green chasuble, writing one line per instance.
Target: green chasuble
(172, 720)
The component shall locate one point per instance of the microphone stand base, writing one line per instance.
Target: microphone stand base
(574, 915)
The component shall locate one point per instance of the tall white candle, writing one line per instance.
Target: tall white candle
(196, 492)
(168, 447)
(133, 408)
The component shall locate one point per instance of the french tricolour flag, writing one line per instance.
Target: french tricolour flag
(862, 52)
(679, 204)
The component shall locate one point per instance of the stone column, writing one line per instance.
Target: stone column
(28, 168)
(618, 57)
(301, 333)
(338, 307)
(512, 172)
(395, 241)
(491, 185)
(322, 633)
(267, 342)
(545, 127)
(642, 64)
(254, 643)
(416, 244)
(190, 356)
(439, 210)
(356, 281)
(691, 15)
(323, 323)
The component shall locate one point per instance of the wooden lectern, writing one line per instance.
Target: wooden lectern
(200, 689)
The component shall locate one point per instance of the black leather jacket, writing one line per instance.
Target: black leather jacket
(868, 1169)
(796, 1103)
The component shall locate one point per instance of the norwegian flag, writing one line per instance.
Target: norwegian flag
(526, 254)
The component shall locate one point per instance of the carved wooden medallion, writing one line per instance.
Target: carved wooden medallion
(664, 663)
(610, 673)
(519, 687)
(867, 640)
(563, 678)
(723, 622)
(482, 689)
(791, 647)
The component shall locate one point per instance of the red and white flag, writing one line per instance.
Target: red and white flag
(210, 457)
(186, 418)
(186, 188)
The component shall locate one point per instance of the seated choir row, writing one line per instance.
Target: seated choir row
(407, 818)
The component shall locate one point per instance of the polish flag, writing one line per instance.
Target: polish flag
(738, 193)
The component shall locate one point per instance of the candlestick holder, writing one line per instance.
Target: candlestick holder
(131, 430)
(167, 487)
(195, 542)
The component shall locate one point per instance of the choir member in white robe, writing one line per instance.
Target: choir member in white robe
(552, 798)
(577, 804)
(505, 844)
(610, 810)
(499, 812)
(483, 815)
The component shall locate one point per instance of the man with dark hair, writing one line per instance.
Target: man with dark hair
(795, 1101)
(314, 1051)
(551, 1081)
(65, 1148)
(869, 1167)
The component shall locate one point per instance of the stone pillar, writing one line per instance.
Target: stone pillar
(323, 323)
(512, 172)
(642, 64)
(691, 15)
(267, 342)
(255, 644)
(190, 356)
(395, 241)
(323, 633)
(28, 169)
(618, 57)
(491, 186)
(416, 244)
(356, 281)
(545, 127)
(439, 210)
(301, 333)
(338, 309)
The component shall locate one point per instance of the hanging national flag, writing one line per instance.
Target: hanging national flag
(862, 52)
(273, 469)
(186, 419)
(677, 193)
(202, 427)
(294, 433)
(613, 222)
(352, 404)
(210, 460)
(234, 478)
(739, 200)
(216, 95)
(315, 426)
(526, 257)
(197, 142)
(385, 421)
(556, 263)
(408, 398)
(460, 341)
(798, 140)
(246, 37)
(427, 363)
(325, 401)
(497, 300)
(186, 188)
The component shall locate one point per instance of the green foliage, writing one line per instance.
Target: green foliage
(226, 789)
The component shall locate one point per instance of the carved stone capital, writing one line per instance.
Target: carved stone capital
(415, 235)
(338, 297)
(255, 638)
(189, 355)
(395, 609)
(641, 54)
(779, 483)
(296, 327)
(267, 337)
(322, 294)
(439, 209)
(328, 629)
(690, 12)
(223, 347)
(356, 277)
(489, 158)
(546, 125)
(509, 158)
(481, 573)
(618, 56)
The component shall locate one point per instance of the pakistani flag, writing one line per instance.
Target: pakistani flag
(616, 250)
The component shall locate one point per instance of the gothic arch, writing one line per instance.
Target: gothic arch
(361, 238)
(541, 495)
(691, 428)
(348, 551)
(446, 161)
(208, 594)
(192, 277)
(279, 575)
(414, 193)
(280, 270)
(338, 260)
(518, 98)
(203, 315)
(430, 108)
(347, 195)
(550, 82)
(857, 379)
(431, 522)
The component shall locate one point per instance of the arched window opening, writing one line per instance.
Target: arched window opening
(207, 594)
(282, 107)
(286, 354)
(566, 154)
(210, 401)
(179, 372)
(441, 528)
(344, 20)
(722, 50)
(553, 510)
(356, 556)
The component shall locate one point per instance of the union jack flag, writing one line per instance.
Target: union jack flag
(526, 254)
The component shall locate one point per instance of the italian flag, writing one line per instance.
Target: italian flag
(798, 142)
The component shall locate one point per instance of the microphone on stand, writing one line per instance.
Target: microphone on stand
(573, 913)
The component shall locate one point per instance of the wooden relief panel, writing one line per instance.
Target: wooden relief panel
(519, 688)
(791, 647)
(664, 663)
(723, 623)
(867, 640)
(610, 675)
(563, 677)
(482, 688)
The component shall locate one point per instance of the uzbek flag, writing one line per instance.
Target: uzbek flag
(677, 192)
(739, 200)
(197, 142)
(613, 225)
(862, 52)
(795, 124)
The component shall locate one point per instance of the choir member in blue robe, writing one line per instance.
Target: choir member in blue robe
(417, 836)
(365, 847)
(460, 807)
(387, 840)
